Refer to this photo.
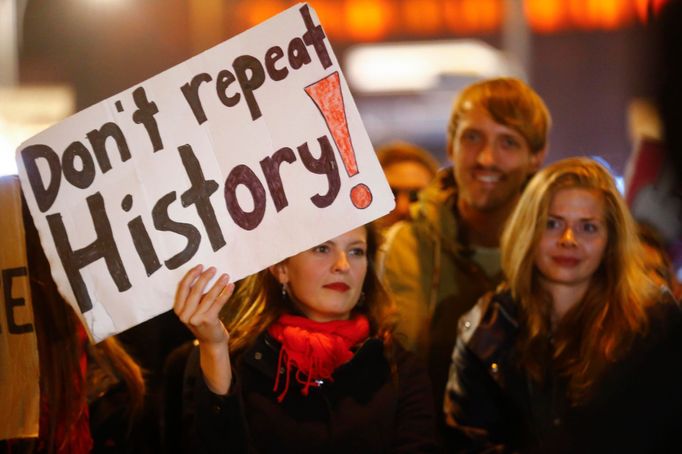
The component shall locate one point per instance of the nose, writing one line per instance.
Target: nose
(341, 264)
(402, 205)
(486, 155)
(567, 238)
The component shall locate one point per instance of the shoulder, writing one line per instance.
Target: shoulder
(491, 324)
(665, 317)
(433, 206)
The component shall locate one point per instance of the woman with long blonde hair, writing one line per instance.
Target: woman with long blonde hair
(578, 329)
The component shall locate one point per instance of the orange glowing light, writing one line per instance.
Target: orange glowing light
(453, 17)
(256, 12)
(490, 14)
(545, 16)
(473, 16)
(330, 13)
(367, 20)
(422, 16)
(606, 14)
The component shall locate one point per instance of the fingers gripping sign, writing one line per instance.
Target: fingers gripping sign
(200, 310)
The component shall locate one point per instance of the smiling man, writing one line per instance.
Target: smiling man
(446, 256)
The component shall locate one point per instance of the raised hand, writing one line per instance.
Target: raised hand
(199, 311)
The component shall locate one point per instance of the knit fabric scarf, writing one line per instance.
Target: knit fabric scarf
(315, 349)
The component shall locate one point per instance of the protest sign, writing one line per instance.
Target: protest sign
(19, 366)
(238, 158)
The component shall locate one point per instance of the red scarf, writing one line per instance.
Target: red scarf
(316, 349)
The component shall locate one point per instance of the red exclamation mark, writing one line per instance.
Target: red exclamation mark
(327, 96)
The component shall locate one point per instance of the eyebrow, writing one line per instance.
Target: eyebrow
(581, 219)
(353, 243)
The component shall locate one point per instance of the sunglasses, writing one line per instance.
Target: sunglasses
(412, 194)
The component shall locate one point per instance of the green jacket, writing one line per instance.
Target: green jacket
(432, 276)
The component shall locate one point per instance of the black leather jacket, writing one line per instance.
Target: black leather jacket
(491, 406)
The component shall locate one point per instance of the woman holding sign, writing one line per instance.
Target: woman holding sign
(579, 351)
(307, 361)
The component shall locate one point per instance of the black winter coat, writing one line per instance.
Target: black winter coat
(492, 406)
(363, 410)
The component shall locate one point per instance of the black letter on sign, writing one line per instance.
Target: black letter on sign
(165, 224)
(143, 244)
(79, 178)
(145, 114)
(199, 194)
(191, 92)
(10, 303)
(270, 166)
(315, 36)
(271, 56)
(243, 175)
(325, 165)
(298, 54)
(241, 65)
(225, 78)
(104, 247)
(98, 140)
(45, 196)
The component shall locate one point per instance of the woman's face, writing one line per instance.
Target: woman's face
(325, 282)
(574, 240)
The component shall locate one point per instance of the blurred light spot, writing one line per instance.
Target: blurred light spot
(368, 20)
(422, 16)
(545, 16)
(257, 12)
(420, 66)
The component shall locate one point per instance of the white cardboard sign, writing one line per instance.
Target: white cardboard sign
(239, 157)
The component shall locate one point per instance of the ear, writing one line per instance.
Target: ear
(536, 160)
(280, 272)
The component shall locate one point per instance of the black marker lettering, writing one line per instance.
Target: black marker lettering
(79, 178)
(298, 54)
(164, 223)
(104, 247)
(45, 195)
(271, 56)
(241, 174)
(98, 139)
(8, 276)
(224, 79)
(315, 36)
(145, 114)
(325, 165)
(199, 195)
(191, 92)
(251, 76)
(270, 166)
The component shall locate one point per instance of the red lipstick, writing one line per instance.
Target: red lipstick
(337, 286)
(566, 261)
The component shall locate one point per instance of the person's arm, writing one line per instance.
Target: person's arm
(415, 426)
(213, 423)
(200, 312)
(473, 406)
(401, 268)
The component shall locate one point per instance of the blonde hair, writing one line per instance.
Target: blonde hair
(602, 326)
(510, 102)
(258, 302)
